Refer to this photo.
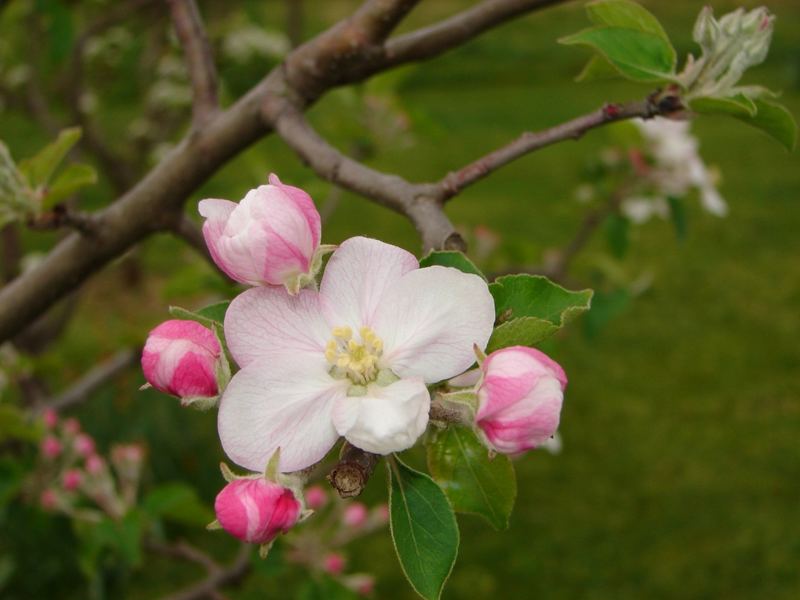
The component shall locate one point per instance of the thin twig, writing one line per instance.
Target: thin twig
(529, 142)
(340, 54)
(199, 59)
(94, 379)
(218, 577)
(447, 34)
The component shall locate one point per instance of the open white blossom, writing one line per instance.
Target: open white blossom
(677, 170)
(353, 359)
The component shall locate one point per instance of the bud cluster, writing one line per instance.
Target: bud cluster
(730, 45)
(74, 479)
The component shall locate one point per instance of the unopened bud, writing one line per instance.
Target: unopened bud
(355, 515)
(520, 399)
(334, 563)
(256, 510)
(50, 447)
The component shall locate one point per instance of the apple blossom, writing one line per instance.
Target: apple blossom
(355, 515)
(72, 479)
(71, 426)
(95, 465)
(50, 447)
(519, 399)
(352, 359)
(49, 500)
(270, 238)
(334, 563)
(84, 445)
(315, 497)
(50, 418)
(256, 510)
(181, 358)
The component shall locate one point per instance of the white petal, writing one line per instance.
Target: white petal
(266, 321)
(357, 276)
(284, 403)
(388, 419)
(429, 321)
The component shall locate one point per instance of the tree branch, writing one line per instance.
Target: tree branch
(340, 54)
(94, 379)
(199, 59)
(438, 38)
(218, 576)
(350, 475)
(528, 142)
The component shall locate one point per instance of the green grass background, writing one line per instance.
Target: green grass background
(680, 473)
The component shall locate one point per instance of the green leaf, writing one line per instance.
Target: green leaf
(775, 120)
(523, 331)
(736, 106)
(625, 14)
(39, 168)
(606, 306)
(215, 312)
(69, 181)
(617, 229)
(637, 55)
(472, 481)
(178, 503)
(325, 588)
(14, 425)
(189, 315)
(597, 68)
(536, 296)
(424, 529)
(677, 211)
(451, 258)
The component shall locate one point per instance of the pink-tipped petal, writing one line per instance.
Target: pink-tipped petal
(256, 510)
(285, 403)
(180, 358)
(264, 322)
(520, 399)
(357, 277)
(431, 319)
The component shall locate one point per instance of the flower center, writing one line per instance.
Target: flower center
(356, 360)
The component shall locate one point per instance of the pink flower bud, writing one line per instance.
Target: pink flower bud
(127, 454)
(269, 238)
(72, 479)
(48, 500)
(71, 426)
(50, 447)
(50, 418)
(95, 465)
(355, 515)
(256, 510)
(315, 497)
(364, 585)
(382, 513)
(520, 399)
(180, 358)
(333, 563)
(84, 445)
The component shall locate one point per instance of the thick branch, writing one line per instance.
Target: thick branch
(419, 202)
(340, 54)
(445, 35)
(199, 59)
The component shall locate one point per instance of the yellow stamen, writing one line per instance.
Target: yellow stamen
(355, 359)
